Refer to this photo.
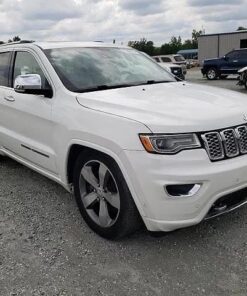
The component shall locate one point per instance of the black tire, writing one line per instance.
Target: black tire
(212, 74)
(223, 77)
(128, 219)
(245, 84)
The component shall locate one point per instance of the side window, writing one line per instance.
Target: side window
(166, 60)
(25, 63)
(157, 60)
(234, 55)
(243, 55)
(4, 68)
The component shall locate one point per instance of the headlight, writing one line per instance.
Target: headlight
(169, 144)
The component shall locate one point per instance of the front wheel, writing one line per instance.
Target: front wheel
(211, 74)
(103, 197)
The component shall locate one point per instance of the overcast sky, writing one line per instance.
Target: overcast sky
(122, 20)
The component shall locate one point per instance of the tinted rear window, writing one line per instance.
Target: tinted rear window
(4, 68)
(166, 60)
(179, 58)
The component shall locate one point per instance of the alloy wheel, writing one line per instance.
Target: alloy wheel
(211, 74)
(99, 193)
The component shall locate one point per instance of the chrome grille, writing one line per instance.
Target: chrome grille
(226, 143)
(230, 142)
(241, 132)
(213, 144)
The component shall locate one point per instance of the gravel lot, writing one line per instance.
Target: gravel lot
(194, 75)
(46, 248)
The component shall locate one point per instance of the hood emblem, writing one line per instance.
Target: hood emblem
(245, 117)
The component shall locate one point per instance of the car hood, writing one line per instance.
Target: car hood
(212, 60)
(172, 107)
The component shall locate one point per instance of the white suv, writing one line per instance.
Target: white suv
(176, 70)
(176, 59)
(114, 127)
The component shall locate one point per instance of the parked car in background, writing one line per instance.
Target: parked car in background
(176, 70)
(176, 59)
(243, 77)
(231, 63)
(192, 63)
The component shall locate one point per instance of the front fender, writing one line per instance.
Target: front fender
(118, 157)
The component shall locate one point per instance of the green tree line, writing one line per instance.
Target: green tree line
(171, 47)
(14, 39)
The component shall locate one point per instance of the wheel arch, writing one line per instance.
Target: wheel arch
(76, 148)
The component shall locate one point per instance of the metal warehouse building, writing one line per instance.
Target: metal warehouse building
(217, 45)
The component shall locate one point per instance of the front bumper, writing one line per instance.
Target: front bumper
(150, 173)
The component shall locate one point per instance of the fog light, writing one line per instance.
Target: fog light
(183, 190)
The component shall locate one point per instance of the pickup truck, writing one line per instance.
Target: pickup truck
(231, 63)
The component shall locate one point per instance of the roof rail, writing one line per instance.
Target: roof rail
(17, 42)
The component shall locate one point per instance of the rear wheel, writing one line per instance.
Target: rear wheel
(211, 74)
(103, 197)
(245, 84)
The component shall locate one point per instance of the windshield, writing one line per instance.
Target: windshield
(84, 69)
(179, 58)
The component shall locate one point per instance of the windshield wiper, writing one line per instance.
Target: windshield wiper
(106, 87)
(157, 81)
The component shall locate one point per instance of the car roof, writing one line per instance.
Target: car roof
(240, 49)
(59, 44)
(167, 55)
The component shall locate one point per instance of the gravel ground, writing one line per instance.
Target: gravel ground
(46, 248)
(194, 75)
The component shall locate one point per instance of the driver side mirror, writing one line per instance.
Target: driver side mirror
(31, 84)
(226, 58)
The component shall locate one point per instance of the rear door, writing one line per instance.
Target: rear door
(27, 118)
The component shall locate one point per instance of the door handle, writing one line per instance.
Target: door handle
(9, 98)
(235, 61)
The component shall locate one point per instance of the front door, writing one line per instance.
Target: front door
(27, 118)
(232, 63)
